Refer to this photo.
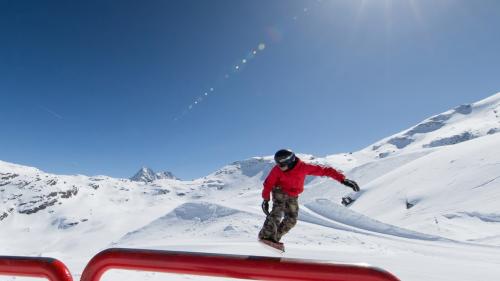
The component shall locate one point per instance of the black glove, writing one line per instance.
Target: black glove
(352, 184)
(265, 207)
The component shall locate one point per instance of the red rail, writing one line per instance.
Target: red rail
(244, 267)
(51, 269)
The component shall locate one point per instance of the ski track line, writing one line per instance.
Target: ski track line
(350, 220)
(345, 224)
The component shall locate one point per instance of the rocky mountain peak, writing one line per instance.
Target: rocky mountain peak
(146, 174)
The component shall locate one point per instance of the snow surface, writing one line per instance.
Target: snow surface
(428, 209)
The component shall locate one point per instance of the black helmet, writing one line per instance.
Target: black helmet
(285, 158)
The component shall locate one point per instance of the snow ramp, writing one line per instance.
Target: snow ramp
(192, 221)
(328, 214)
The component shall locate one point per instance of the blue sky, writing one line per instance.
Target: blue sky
(105, 87)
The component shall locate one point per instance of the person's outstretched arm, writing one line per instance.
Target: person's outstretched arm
(316, 170)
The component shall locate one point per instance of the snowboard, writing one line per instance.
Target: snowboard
(277, 246)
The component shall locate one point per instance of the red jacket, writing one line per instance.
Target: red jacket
(292, 181)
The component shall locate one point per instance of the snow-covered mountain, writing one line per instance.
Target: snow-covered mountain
(463, 123)
(146, 174)
(429, 195)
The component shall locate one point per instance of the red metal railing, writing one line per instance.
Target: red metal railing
(51, 269)
(244, 267)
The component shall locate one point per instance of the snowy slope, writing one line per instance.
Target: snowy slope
(453, 192)
(428, 196)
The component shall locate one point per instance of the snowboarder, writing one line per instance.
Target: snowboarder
(286, 182)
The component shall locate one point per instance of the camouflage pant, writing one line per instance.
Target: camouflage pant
(283, 205)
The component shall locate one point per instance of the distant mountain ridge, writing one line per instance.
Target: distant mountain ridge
(146, 174)
(463, 123)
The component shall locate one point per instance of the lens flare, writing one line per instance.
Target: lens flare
(274, 34)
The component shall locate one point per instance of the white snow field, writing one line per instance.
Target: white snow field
(428, 209)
